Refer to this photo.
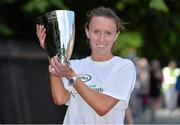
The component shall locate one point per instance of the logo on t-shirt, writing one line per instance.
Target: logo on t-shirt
(96, 88)
(85, 77)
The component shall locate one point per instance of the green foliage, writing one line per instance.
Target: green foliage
(158, 5)
(153, 25)
(58, 4)
(42, 5)
(36, 5)
(128, 40)
(120, 6)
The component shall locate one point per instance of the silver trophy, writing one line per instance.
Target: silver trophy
(60, 33)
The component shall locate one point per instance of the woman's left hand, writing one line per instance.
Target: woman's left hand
(60, 69)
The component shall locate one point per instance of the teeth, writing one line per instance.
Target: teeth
(101, 46)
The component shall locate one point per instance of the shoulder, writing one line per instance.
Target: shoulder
(123, 62)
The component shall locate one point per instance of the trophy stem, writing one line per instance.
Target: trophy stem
(62, 58)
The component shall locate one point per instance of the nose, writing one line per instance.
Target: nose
(102, 37)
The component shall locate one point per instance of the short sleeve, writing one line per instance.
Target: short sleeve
(121, 82)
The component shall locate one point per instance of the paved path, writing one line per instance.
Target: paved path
(162, 116)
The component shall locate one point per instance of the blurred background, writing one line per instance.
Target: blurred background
(151, 40)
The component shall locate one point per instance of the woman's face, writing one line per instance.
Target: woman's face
(102, 34)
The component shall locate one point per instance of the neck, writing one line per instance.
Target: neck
(96, 57)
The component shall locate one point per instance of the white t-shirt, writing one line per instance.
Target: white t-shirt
(115, 77)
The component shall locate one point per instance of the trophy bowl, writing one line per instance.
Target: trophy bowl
(60, 33)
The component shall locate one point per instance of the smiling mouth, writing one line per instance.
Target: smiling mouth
(100, 46)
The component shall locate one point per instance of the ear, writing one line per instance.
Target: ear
(115, 38)
(87, 32)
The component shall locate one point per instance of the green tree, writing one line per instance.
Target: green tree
(152, 26)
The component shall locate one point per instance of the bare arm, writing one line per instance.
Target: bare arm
(101, 103)
(59, 93)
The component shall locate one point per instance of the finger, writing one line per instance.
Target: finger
(41, 33)
(63, 67)
(52, 63)
(43, 37)
(39, 28)
(58, 61)
(52, 70)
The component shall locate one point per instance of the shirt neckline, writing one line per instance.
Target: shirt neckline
(100, 63)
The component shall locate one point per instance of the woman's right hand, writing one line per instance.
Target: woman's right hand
(41, 34)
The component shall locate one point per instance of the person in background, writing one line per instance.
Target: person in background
(104, 96)
(178, 90)
(143, 78)
(156, 79)
(170, 74)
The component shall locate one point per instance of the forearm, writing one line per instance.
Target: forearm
(101, 103)
(59, 93)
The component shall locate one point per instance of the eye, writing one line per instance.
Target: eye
(96, 32)
(108, 33)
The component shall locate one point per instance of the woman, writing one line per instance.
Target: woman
(156, 79)
(100, 84)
